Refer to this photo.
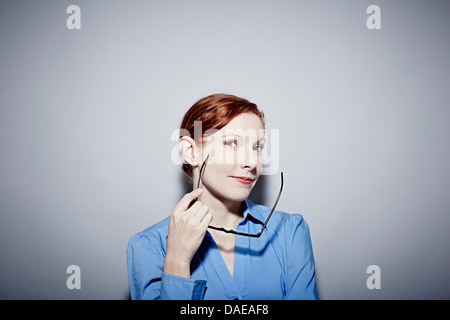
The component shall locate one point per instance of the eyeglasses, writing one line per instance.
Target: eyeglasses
(259, 233)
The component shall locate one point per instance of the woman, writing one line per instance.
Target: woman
(216, 244)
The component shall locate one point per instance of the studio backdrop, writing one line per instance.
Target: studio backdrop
(357, 100)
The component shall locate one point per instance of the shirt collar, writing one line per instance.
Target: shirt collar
(254, 211)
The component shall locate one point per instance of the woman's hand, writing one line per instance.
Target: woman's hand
(187, 228)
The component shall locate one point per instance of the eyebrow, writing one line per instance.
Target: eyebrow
(239, 136)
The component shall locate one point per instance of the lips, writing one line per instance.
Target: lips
(244, 180)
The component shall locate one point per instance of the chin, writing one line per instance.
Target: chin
(238, 196)
(239, 193)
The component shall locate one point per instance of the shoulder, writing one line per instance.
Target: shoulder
(154, 235)
(288, 233)
(290, 223)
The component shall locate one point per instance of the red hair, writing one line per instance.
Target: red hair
(214, 112)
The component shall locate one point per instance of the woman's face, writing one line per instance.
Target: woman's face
(235, 158)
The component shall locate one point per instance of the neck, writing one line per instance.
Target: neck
(226, 213)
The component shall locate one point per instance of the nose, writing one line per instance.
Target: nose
(249, 158)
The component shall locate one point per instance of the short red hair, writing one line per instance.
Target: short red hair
(214, 112)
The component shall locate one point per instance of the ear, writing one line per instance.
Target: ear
(188, 148)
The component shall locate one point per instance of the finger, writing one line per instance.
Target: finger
(200, 212)
(207, 219)
(194, 208)
(187, 199)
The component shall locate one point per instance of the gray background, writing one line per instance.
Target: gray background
(86, 118)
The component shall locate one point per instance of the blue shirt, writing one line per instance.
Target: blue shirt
(278, 265)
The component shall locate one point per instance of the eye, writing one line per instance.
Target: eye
(231, 143)
(259, 148)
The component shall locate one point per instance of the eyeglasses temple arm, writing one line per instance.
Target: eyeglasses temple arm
(236, 232)
(273, 208)
(200, 175)
(259, 233)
